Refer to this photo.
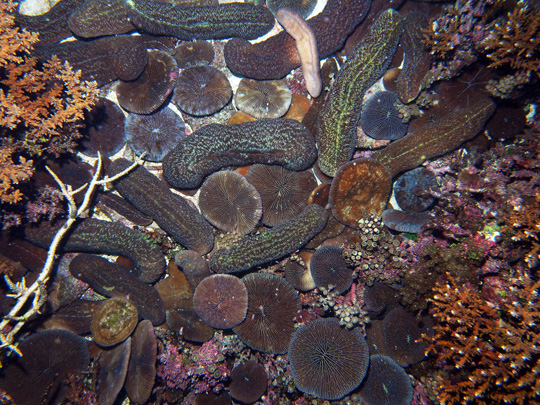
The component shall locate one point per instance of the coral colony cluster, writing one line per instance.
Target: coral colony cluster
(345, 211)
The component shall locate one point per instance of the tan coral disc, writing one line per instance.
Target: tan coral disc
(114, 321)
(359, 190)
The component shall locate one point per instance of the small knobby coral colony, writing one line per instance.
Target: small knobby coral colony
(343, 211)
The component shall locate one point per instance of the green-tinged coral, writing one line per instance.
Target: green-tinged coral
(200, 22)
(279, 141)
(111, 280)
(95, 18)
(170, 211)
(417, 60)
(435, 139)
(96, 236)
(102, 60)
(114, 321)
(336, 134)
(272, 244)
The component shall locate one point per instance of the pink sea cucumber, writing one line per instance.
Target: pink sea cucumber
(306, 44)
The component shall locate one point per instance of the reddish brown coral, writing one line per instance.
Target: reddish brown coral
(42, 105)
(515, 40)
(360, 188)
(11, 174)
(114, 321)
(490, 349)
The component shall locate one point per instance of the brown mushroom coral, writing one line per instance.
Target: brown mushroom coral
(141, 372)
(248, 382)
(230, 202)
(273, 304)
(327, 360)
(263, 99)
(387, 382)
(360, 189)
(113, 366)
(403, 337)
(328, 268)
(149, 91)
(194, 53)
(114, 321)
(47, 359)
(221, 300)
(156, 133)
(284, 193)
(202, 90)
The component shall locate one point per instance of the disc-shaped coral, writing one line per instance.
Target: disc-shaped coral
(202, 90)
(284, 193)
(302, 7)
(142, 363)
(359, 190)
(128, 56)
(221, 300)
(150, 90)
(113, 366)
(327, 360)
(380, 118)
(193, 54)
(114, 321)
(263, 99)
(328, 268)
(402, 335)
(156, 133)
(506, 122)
(47, 358)
(248, 382)
(403, 221)
(412, 189)
(104, 131)
(386, 383)
(230, 202)
(272, 306)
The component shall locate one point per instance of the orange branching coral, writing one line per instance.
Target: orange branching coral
(11, 174)
(514, 40)
(488, 353)
(439, 39)
(523, 226)
(42, 104)
(13, 41)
